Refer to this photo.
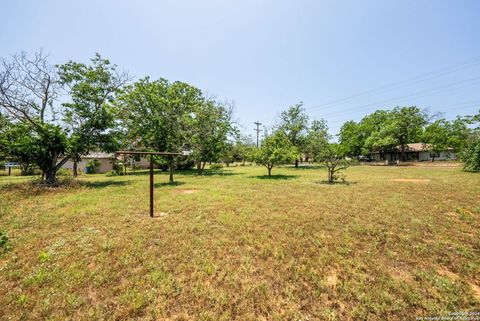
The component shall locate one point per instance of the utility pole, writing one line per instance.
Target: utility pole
(257, 129)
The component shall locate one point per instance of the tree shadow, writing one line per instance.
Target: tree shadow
(275, 177)
(305, 167)
(208, 172)
(175, 183)
(346, 183)
(103, 184)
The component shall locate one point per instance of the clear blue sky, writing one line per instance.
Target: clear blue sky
(266, 55)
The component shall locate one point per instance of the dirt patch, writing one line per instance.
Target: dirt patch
(186, 191)
(449, 274)
(332, 279)
(402, 275)
(411, 180)
(452, 276)
(476, 291)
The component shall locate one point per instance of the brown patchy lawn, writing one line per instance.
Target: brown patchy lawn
(234, 245)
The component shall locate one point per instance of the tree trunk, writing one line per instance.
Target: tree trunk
(199, 168)
(330, 175)
(269, 171)
(296, 162)
(51, 176)
(171, 171)
(75, 168)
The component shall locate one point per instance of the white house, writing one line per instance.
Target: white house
(414, 152)
(105, 160)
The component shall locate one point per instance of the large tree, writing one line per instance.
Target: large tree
(29, 87)
(294, 123)
(403, 125)
(157, 114)
(316, 138)
(88, 115)
(209, 129)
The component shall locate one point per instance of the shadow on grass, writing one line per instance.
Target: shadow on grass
(275, 177)
(304, 167)
(103, 184)
(175, 183)
(208, 172)
(346, 183)
(187, 172)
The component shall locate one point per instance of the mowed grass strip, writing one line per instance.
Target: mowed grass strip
(235, 245)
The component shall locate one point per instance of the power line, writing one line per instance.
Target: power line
(416, 79)
(424, 93)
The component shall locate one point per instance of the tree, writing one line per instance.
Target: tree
(471, 156)
(17, 144)
(333, 157)
(275, 149)
(4, 127)
(435, 136)
(404, 125)
(89, 115)
(351, 138)
(209, 129)
(471, 153)
(28, 89)
(294, 123)
(157, 114)
(243, 148)
(316, 139)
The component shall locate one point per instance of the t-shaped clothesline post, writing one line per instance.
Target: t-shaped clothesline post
(151, 167)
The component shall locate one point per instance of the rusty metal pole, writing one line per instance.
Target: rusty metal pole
(151, 185)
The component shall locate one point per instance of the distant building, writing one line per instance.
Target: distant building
(105, 160)
(414, 152)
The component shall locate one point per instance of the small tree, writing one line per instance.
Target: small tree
(294, 124)
(333, 157)
(471, 157)
(276, 149)
(471, 153)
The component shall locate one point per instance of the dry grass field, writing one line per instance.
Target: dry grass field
(395, 244)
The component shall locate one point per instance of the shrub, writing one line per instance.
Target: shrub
(92, 166)
(115, 172)
(216, 166)
(64, 172)
(471, 157)
(5, 244)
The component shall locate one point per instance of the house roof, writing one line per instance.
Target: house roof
(98, 155)
(413, 147)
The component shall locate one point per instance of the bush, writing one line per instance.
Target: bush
(92, 166)
(471, 157)
(216, 166)
(30, 171)
(64, 172)
(5, 244)
(115, 173)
